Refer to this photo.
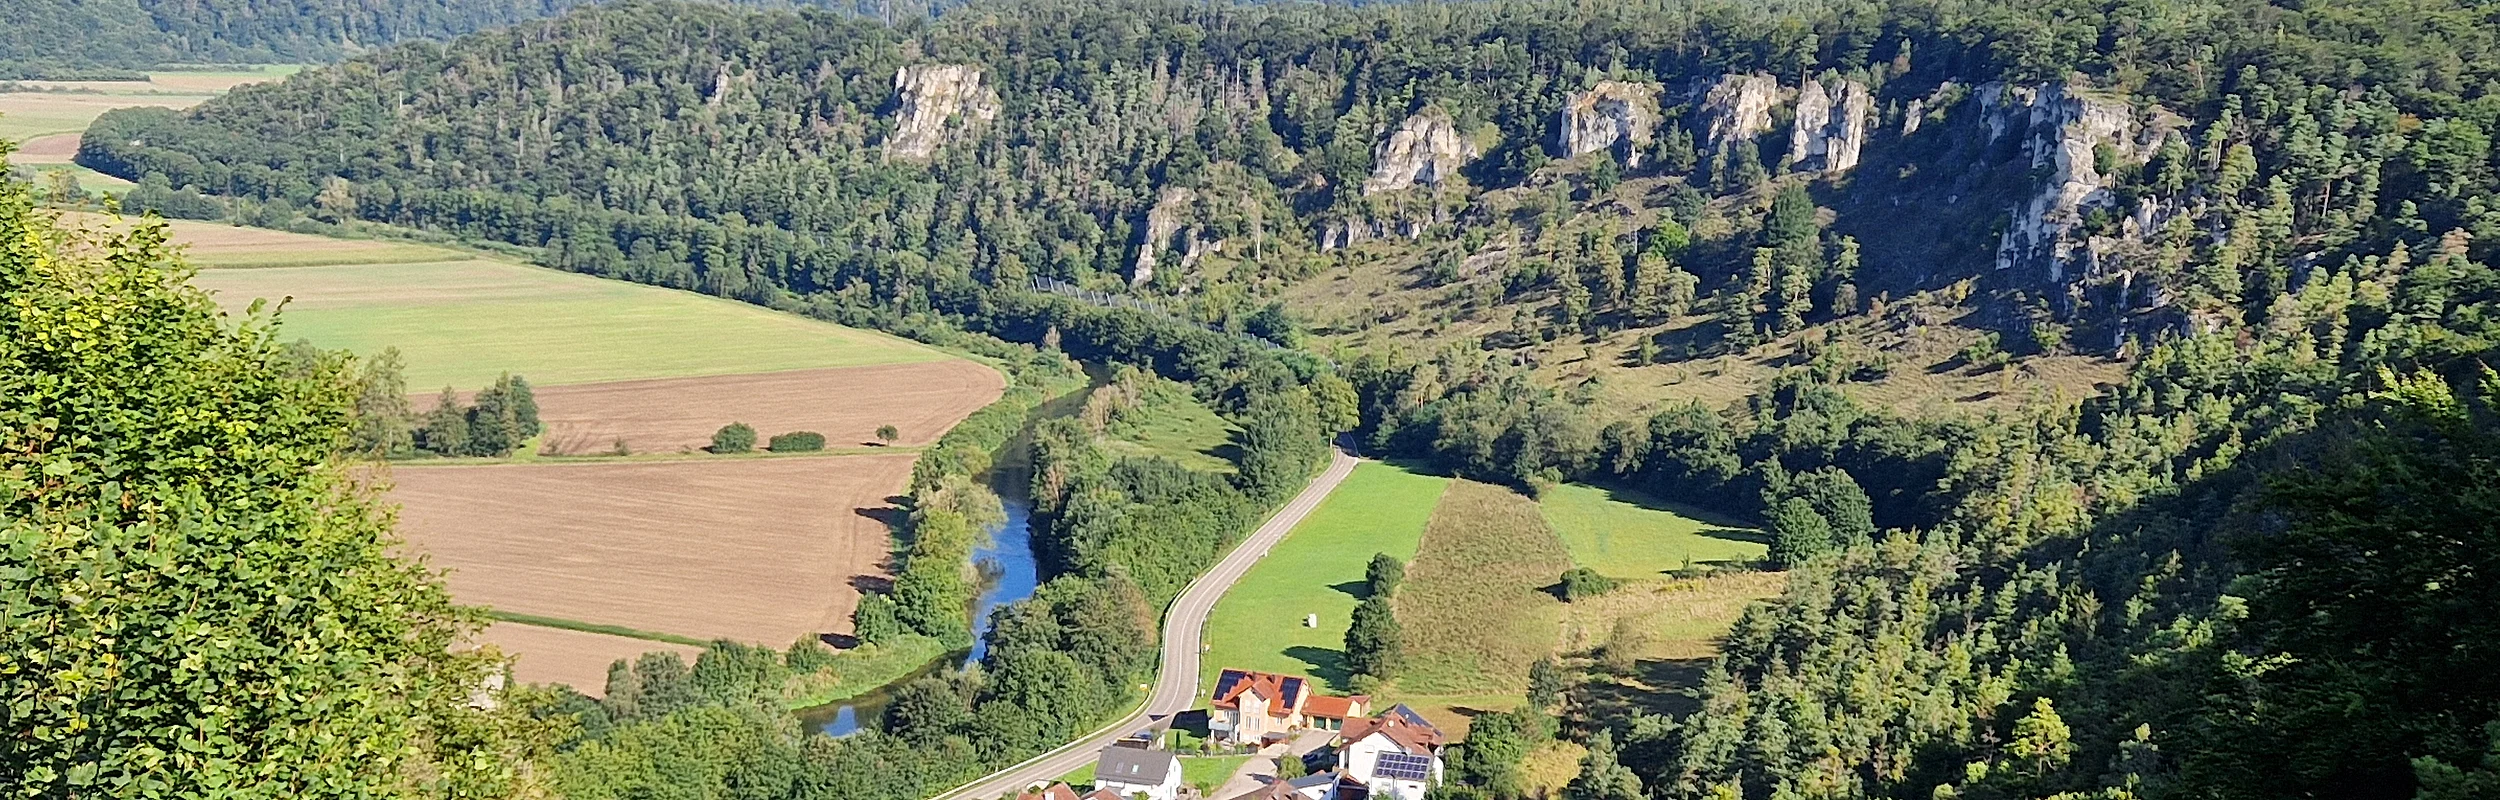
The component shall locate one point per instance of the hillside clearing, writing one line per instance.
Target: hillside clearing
(1627, 535)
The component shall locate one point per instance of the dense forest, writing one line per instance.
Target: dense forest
(2247, 569)
(68, 39)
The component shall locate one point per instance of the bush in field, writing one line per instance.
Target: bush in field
(735, 437)
(888, 433)
(797, 442)
(1581, 583)
(1384, 573)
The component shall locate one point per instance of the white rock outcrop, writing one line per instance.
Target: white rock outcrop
(1609, 115)
(1165, 231)
(1426, 149)
(1831, 126)
(932, 97)
(1737, 108)
(2063, 130)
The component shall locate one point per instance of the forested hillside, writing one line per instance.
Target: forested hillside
(69, 38)
(2244, 569)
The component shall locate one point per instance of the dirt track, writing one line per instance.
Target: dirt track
(846, 404)
(760, 550)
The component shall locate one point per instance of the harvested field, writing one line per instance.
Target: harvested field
(846, 404)
(573, 658)
(755, 550)
(214, 245)
(25, 115)
(57, 148)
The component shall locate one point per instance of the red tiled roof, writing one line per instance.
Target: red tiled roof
(1102, 794)
(1282, 691)
(1333, 707)
(1408, 732)
(1057, 791)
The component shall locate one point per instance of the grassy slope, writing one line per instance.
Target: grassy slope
(1183, 430)
(1381, 297)
(1629, 536)
(464, 322)
(1318, 568)
(1474, 607)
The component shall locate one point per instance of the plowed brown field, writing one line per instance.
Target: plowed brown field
(846, 404)
(573, 658)
(757, 550)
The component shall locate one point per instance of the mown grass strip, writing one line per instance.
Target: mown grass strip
(501, 615)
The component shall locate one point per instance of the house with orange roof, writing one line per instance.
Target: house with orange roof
(1249, 706)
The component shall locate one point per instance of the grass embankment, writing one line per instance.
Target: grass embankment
(1318, 569)
(1626, 535)
(863, 669)
(465, 322)
(1173, 425)
(560, 623)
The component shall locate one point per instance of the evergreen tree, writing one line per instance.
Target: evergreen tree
(445, 431)
(1798, 533)
(1373, 639)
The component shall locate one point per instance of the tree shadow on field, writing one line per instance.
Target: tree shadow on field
(890, 516)
(1359, 590)
(872, 584)
(1662, 686)
(1326, 665)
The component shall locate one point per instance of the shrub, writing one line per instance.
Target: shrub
(797, 442)
(888, 433)
(735, 437)
(1384, 574)
(1580, 583)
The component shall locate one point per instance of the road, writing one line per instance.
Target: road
(1176, 688)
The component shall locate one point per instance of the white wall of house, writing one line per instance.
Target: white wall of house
(1361, 759)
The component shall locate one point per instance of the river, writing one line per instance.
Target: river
(1009, 571)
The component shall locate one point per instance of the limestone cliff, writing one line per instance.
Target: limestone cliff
(2064, 130)
(1735, 109)
(1831, 126)
(933, 96)
(1425, 149)
(1612, 116)
(1165, 231)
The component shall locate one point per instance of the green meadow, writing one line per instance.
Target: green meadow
(462, 323)
(1630, 536)
(1318, 569)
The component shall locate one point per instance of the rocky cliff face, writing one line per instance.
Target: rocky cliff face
(1425, 149)
(1613, 116)
(2064, 133)
(1166, 230)
(932, 96)
(1831, 126)
(1737, 108)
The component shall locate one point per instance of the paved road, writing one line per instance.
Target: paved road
(1177, 688)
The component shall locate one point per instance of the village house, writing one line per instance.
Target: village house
(1251, 707)
(1061, 791)
(1396, 756)
(1128, 770)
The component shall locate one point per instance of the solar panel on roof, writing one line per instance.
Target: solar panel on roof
(1293, 686)
(1403, 766)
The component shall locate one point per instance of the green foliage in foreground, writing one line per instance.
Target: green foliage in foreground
(198, 599)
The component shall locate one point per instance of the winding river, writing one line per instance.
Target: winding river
(1009, 571)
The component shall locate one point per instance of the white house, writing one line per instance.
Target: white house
(1396, 755)
(1131, 771)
